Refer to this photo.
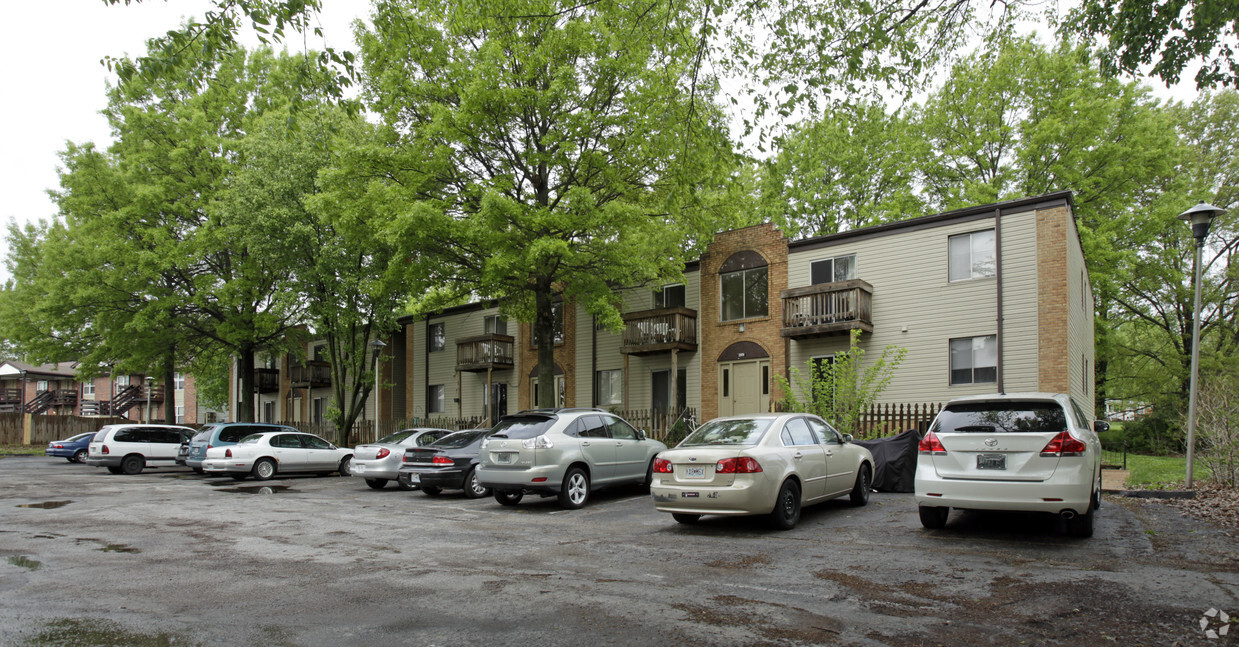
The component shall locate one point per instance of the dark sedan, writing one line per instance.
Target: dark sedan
(71, 449)
(446, 464)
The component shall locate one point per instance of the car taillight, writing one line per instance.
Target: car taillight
(537, 442)
(931, 445)
(741, 465)
(227, 453)
(383, 453)
(105, 449)
(662, 466)
(1064, 444)
(442, 460)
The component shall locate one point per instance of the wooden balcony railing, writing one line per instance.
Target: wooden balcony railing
(267, 380)
(659, 331)
(827, 309)
(311, 374)
(485, 352)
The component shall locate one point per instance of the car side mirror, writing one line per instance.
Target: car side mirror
(1100, 426)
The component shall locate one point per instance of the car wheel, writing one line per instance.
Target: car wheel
(264, 469)
(933, 517)
(860, 491)
(346, 466)
(79, 456)
(405, 484)
(376, 484)
(1081, 525)
(114, 470)
(786, 507)
(686, 519)
(506, 497)
(474, 489)
(132, 465)
(431, 490)
(575, 490)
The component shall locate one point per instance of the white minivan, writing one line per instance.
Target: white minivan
(130, 448)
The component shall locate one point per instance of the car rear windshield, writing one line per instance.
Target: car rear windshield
(460, 439)
(523, 427)
(1016, 416)
(729, 432)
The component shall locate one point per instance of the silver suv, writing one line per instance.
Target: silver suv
(564, 452)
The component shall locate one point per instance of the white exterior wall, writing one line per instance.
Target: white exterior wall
(914, 306)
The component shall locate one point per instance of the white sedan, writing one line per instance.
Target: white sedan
(380, 461)
(266, 454)
(768, 464)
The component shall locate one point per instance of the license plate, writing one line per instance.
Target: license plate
(503, 458)
(991, 461)
(698, 472)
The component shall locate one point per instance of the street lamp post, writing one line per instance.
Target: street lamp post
(1200, 217)
(377, 346)
(150, 382)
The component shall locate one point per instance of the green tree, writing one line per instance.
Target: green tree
(841, 391)
(544, 150)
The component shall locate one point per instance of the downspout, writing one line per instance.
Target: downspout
(998, 276)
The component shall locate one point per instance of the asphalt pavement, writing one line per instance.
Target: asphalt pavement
(167, 557)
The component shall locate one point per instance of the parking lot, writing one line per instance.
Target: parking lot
(168, 557)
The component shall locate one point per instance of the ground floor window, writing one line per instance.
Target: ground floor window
(974, 360)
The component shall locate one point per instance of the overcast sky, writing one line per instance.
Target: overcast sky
(54, 82)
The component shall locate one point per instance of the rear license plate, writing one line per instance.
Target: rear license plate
(991, 461)
(503, 458)
(698, 472)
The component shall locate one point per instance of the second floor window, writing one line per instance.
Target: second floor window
(671, 296)
(971, 256)
(436, 338)
(745, 293)
(831, 270)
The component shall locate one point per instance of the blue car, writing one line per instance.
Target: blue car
(73, 449)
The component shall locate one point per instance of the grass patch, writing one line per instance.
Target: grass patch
(23, 450)
(1161, 472)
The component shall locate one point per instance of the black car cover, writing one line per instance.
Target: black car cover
(894, 460)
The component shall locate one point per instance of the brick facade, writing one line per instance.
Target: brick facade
(717, 335)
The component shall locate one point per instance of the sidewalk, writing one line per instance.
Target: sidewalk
(1114, 481)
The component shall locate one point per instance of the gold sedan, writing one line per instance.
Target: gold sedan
(771, 464)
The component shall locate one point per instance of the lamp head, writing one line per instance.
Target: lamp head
(1201, 217)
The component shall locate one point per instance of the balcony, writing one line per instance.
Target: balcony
(659, 331)
(827, 309)
(267, 380)
(485, 352)
(311, 374)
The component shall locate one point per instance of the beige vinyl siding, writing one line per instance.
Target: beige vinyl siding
(1080, 342)
(908, 272)
(640, 389)
(1019, 302)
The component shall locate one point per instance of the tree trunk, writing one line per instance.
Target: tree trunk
(245, 391)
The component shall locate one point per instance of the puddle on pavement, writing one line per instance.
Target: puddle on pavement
(257, 489)
(119, 548)
(25, 562)
(46, 505)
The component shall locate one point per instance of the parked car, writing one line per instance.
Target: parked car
(1030, 452)
(380, 461)
(72, 449)
(130, 448)
(449, 463)
(266, 454)
(219, 434)
(566, 453)
(767, 464)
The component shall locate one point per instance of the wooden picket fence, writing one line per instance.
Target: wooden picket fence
(44, 429)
